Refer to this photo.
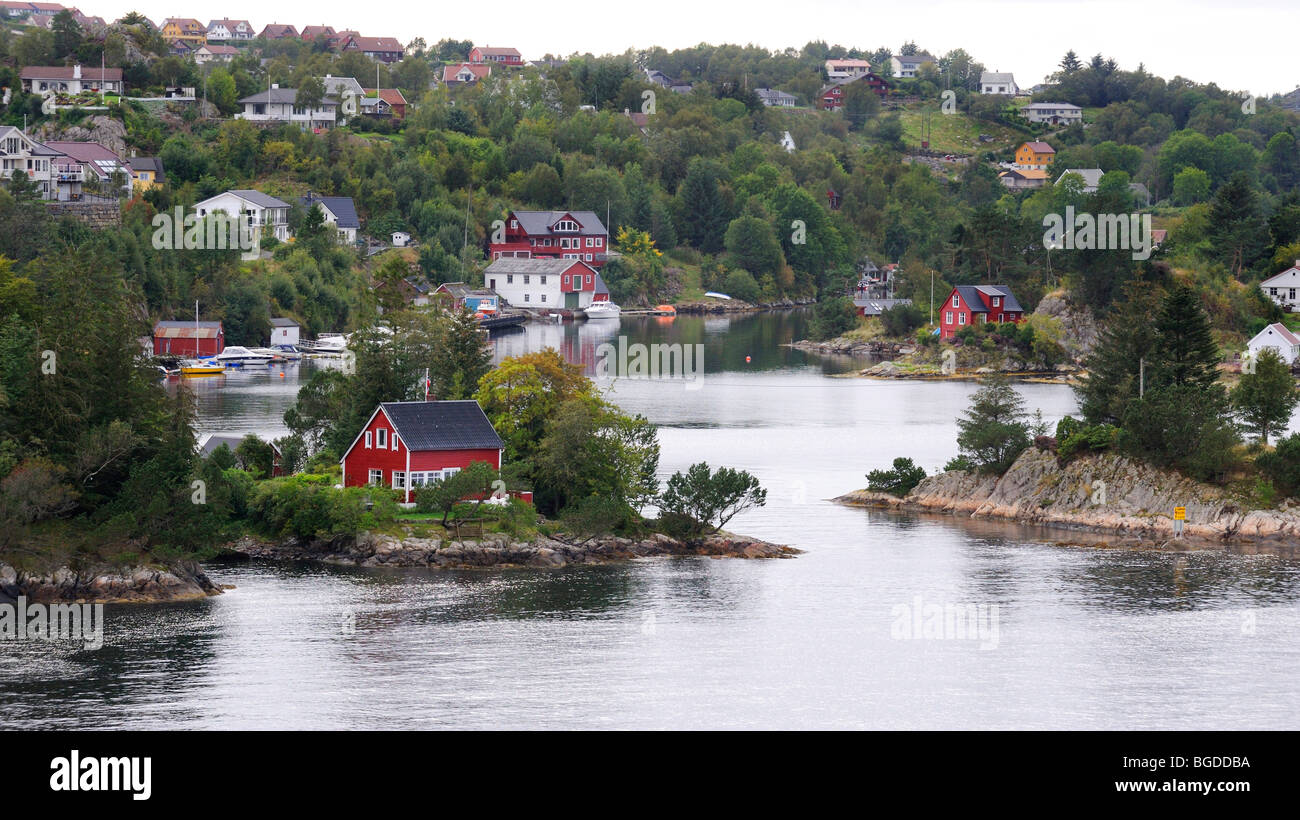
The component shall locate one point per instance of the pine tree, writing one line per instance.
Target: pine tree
(1185, 350)
(1266, 396)
(1115, 364)
(993, 431)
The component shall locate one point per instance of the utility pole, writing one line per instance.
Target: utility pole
(469, 198)
(931, 297)
(1142, 377)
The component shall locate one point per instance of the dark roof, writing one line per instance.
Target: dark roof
(215, 441)
(601, 287)
(148, 164)
(540, 222)
(281, 321)
(45, 72)
(442, 425)
(341, 206)
(970, 295)
(283, 96)
(874, 307)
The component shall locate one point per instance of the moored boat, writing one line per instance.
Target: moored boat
(602, 310)
(201, 367)
(241, 356)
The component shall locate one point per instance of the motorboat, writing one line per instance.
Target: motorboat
(326, 344)
(241, 356)
(276, 355)
(602, 310)
(201, 367)
(286, 352)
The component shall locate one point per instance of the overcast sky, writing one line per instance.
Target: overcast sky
(1246, 45)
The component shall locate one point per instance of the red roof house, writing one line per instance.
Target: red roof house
(408, 444)
(384, 49)
(488, 54)
(832, 96)
(188, 339)
(465, 73)
(968, 304)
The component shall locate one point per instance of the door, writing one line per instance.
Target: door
(571, 300)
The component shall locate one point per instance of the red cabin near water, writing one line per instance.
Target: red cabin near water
(968, 304)
(188, 339)
(407, 444)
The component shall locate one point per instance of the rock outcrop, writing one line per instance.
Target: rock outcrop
(1104, 493)
(140, 584)
(1078, 325)
(499, 551)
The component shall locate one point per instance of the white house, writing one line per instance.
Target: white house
(284, 331)
(20, 154)
(1056, 113)
(258, 210)
(542, 283)
(847, 69)
(773, 98)
(279, 105)
(224, 30)
(348, 92)
(401, 239)
(338, 211)
(71, 79)
(1284, 288)
(995, 82)
(1091, 178)
(213, 52)
(1277, 338)
(908, 65)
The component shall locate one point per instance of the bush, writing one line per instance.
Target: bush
(959, 463)
(1282, 465)
(300, 507)
(832, 318)
(900, 320)
(1091, 438)
(898, 481)
(740, 285)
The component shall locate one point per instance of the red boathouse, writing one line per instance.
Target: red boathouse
(968, 304)
(407, 444)
(188, 339)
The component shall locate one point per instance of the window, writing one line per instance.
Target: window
(525, 279)
(566, 282)
(381, 437)
(961, 318)
(589, 275)
(369, 445)
(393, 441)
(956, 301)
(591, 243)
(543, 278)
(525, 297)
(600, 242)
(492, 283)
(564, 243)
(997, 301)
(376, 477)
(510, 278)
(543, 297)
(399, 480)
(514, 223)
(566, 225)
(947, 318)
(417, 480)
(588, 257)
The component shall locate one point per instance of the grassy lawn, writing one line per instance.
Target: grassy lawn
(956, 133)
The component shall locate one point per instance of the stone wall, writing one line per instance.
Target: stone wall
(97, 215)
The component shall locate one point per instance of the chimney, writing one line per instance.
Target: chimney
(76, 71)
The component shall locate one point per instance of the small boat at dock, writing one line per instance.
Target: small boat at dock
(201, 367)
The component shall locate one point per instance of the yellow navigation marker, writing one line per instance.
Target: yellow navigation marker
(1180, 513)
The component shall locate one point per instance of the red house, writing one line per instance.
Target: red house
(968, 304)
(832, 96)
(553, 235)
(407, 444)
(188, 339)
(503, 56)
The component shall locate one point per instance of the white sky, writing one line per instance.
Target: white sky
(1246, 45)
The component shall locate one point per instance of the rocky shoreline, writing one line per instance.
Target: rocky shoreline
(737, 306)
(183, 581)
(1103, 494)
(500, 552)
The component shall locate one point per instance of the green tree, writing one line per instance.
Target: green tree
(707, 500)
(1236, 223)
(993, 431)
(1191, 185)
(704, 211)
(310, 93)
(1266, 395)
(753, 246)
(899, 480)
(474, 482)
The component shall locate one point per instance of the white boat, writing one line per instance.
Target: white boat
(286, 352)
(276, 355)
(602, 310)
(241, 356)
(326, 344)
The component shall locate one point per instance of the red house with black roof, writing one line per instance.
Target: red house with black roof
(407, 444)
(553, 235)
(832, 96)
(968, 304)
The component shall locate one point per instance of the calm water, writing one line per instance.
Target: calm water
(1086, 637)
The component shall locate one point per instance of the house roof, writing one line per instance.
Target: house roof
(914, 58)
(459, 290)
(61, 72)
(538, 265)
(229, 24)
(148, 164)
(540, 222)
(310, 32)
(214, 48)
(83, 151)
(335, 85)
(255, 197)
(849, 63)
(442, 425)
(874, 307)
(1291, 273)
(392, 96)
(345, 212)
(285, 96)
(1091, 176)
(1052, 105)
(279, 30)
(1025, 173)
(601, 287)
(997, 77)
(1280, 330)
(186, 330)
(479, 70)
(375, 43)
(1039, 147)
(973, 296)
(282, 321)
(214, 441)
(496, 51)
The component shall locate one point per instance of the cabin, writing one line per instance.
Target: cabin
(407, 444)
(553, 235)
(339, 212)
(213, 442)
(1283, 288)
(1279, 339)
(969, 304)
(285, 331)
(188, 339)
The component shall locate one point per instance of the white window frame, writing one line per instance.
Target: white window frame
(961, 318)
(381, 438)
(956, 300)
(375, 477)
(947, 317)
(369, 440)
(399, 480)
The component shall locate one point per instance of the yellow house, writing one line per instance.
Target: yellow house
(146, 172)
(185, 29)
(1034, 156)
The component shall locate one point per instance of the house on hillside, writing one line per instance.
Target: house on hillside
(908, 65)
(969, 304)
(413, 290)
(464, 73)
(846, 69)
(97, 163)
(384, 103)
(188, 338)
(1279, 339)
(1054, 113)
(1284, 288)
(278, 31)
(339, 211)
(1091, 178)
(224, 31)
(1034, 155)
(71, 79)
(310, 33)
(775, 99)
(214, 441)
(215, 53)
(458, 296)
(20, 154)
(553, 234)
(500, 56)
(997, 82)
(544, 284)
(258, 211)
(285, 331)
(408, 444)
(832, 96)
(279, 105)
(146, 172)
(383, 49)
(186, 29)
(1018, 179)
